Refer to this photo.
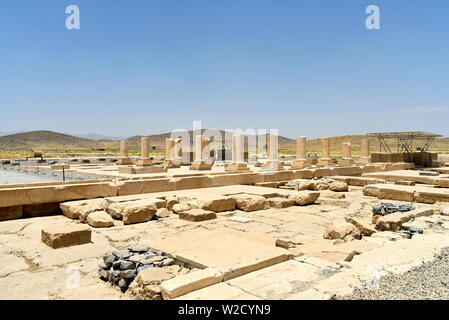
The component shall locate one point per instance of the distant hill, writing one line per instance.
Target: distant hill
(45, 140)
(49, 140)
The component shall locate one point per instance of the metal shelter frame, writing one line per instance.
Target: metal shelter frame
(405, 140)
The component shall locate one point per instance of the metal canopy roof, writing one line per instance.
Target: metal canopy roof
(405, 140)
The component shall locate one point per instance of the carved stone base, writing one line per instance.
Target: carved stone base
(299, 164)
(144, 162)
(346, 162)
(326, 162)
(364, 160)
(235, 167)
(124, 161)
(200, 166)
(272, 166)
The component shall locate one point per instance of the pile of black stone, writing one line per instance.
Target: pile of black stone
(384, 209)
(120, 267)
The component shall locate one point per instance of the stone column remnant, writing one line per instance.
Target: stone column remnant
(145, 152)
(201, 161)
(124, 158)
(272, 163)
(366, 154)
(326, 159)
(238, 158)
(301, 154)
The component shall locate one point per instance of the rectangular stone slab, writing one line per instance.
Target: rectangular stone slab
(232, 254)
(66, 235)
(418, 193)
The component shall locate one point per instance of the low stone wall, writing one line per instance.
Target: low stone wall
(41, 199)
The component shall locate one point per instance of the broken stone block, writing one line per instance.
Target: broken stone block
(366, 229)
(249, 202)
(10, 213)
(163, 213)
(342, 230)
(303, 198)
(65, 235)
(197, 215)
(100, 219)
(171, 201)
(133, 211)
(279, 202)
(180, 207)
(394, 221)
(82, 208)
(187, 283)
(216, 203)
(338, 186)
(146, 285)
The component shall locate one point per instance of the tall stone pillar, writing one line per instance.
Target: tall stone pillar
(301, 154)
(238, 159)
(272, 163)
(201, 159)
(170, 154)
(366, 154)
(347, 156)
(145, 152)
(124, 158)
(326, 159)
(145, 164)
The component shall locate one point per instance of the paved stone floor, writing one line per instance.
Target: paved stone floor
(31, 270)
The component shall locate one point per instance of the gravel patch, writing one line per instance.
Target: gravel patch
(430, 281)
(24, 175)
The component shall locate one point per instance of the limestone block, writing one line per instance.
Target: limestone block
(146, 286)
(100, 219)
(187, 283)
(338, 186)
(10, 213)
(211, 202)
(303, 198)
(200, 166)
(40, 210)
(394, 221)
(236, 167)
(249, 202)
(197, 215)
(82, 208)
(163, 213)
(279, 202)
(181, 207)
(65, 235)
(366, 228)
(342, 230)
(133, 211)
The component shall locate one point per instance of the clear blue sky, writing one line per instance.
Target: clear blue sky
(145, 66)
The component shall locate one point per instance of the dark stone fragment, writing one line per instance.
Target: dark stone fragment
(121, 254)
(139, 249)
(128, 274)
(109, 259)
(127, 265)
